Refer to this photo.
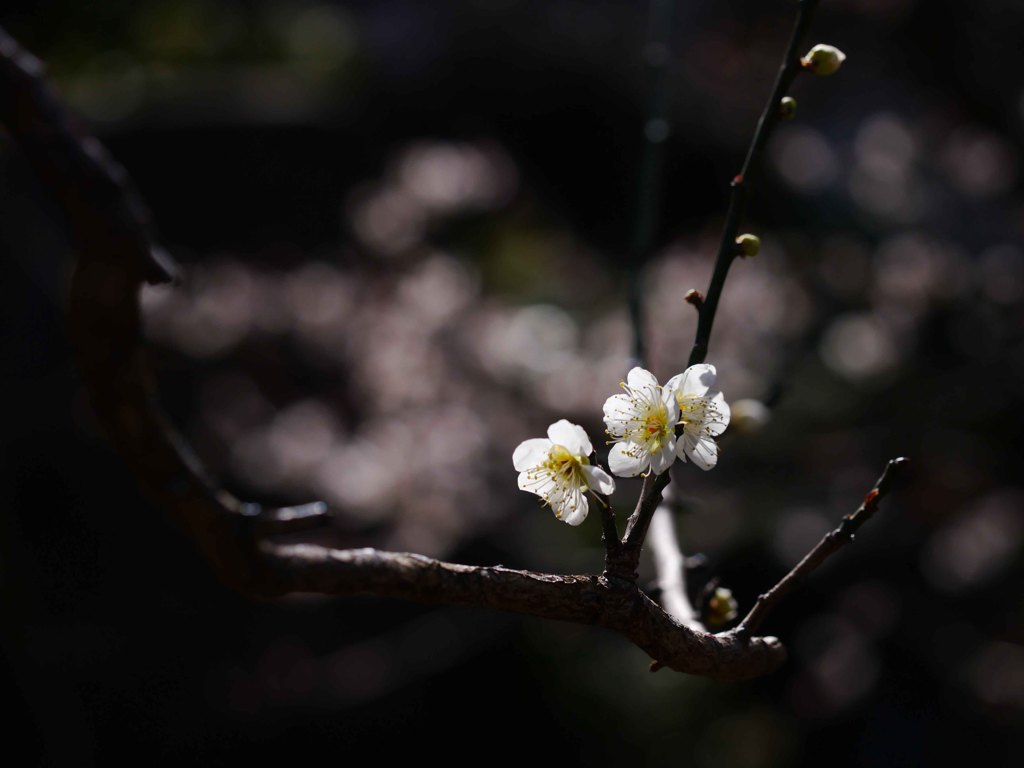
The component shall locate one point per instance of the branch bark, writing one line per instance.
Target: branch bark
(593, 600)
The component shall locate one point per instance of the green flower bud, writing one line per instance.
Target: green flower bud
(721, 608)
(749, 245)
(787, 108)
(823, 59)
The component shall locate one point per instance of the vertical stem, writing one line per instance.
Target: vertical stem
(650, 496)
(658, 58)
(746, 177)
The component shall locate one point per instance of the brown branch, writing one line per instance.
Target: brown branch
(623, 564)
(609, 529)
(115, 254)
(832, 542)
(592, 600)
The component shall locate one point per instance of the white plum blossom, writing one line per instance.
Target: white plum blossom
(703, 414)
(641, 423)
(558, 469)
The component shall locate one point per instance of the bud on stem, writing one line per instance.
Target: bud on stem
(823, 59)
(748, 245)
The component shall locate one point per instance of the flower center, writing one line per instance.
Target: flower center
(655, 424)
(566, 466)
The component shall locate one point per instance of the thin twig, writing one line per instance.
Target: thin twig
(829, 545)
(640, 520)
(741, 184)
(609, 529)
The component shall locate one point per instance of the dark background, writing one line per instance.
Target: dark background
(403, 227)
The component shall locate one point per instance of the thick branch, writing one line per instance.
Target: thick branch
(115, 255)
(744, 180)
(592, 600)
(828, 546)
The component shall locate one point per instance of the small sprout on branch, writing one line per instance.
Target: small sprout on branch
(721, 608)
(787, 108)
(557, 469)
(748, 245)
(823, 59)
(694, 297)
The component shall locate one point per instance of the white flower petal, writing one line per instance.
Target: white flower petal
(577, 515)
(620, 412)
(628, 459)
(599, 480)
(663, 456)
(671, 402)
(703, 451)
(619, 407)
(644, 384)
(566, 502)
(639, 378)
(540, 483)
(530, 453)
(695, 380)
(718, 415)
(570, 436)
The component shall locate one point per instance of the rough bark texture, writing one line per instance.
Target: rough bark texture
(595, 600)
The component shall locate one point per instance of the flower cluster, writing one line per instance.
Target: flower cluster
(643, 422)
(650, 425)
